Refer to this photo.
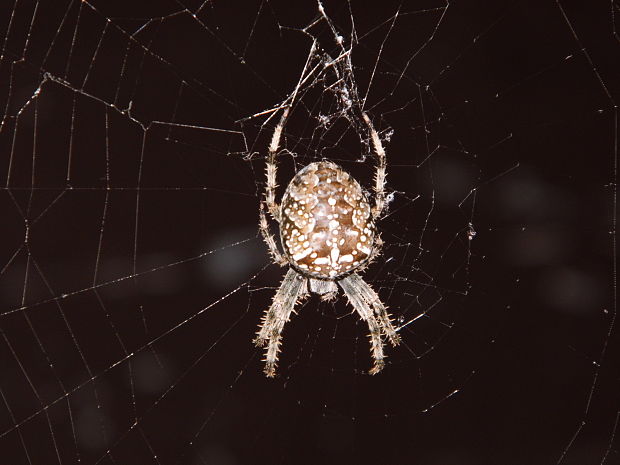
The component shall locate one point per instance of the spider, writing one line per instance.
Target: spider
(327, 232)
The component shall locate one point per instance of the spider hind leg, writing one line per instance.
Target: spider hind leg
(293, 287)
(362, 297)
(372, 298)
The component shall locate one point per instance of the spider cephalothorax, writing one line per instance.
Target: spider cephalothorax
(327, 232)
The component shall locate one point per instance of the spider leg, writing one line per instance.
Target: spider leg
(351, 290)
(379, 186)
(376, 250)
(270, 333)
(268, 238)
(372, 298)
(270, 194)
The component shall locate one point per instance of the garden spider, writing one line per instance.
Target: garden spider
(327, 232)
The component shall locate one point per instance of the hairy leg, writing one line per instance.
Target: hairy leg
(379, 186)
(268, 238)
(270, 194)
(365, 312)
(372, 298)
(270, 333)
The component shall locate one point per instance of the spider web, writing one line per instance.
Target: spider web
(132, 275)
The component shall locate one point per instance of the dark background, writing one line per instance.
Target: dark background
(132, 277)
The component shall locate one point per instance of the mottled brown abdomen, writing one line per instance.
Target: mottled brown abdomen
(326, 228)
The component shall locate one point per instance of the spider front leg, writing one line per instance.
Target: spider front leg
(270, 333)
(379, 186)
(270, 194)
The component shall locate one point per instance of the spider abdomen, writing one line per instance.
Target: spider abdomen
(326, 227)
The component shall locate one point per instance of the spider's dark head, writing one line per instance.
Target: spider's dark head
(326, 227)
